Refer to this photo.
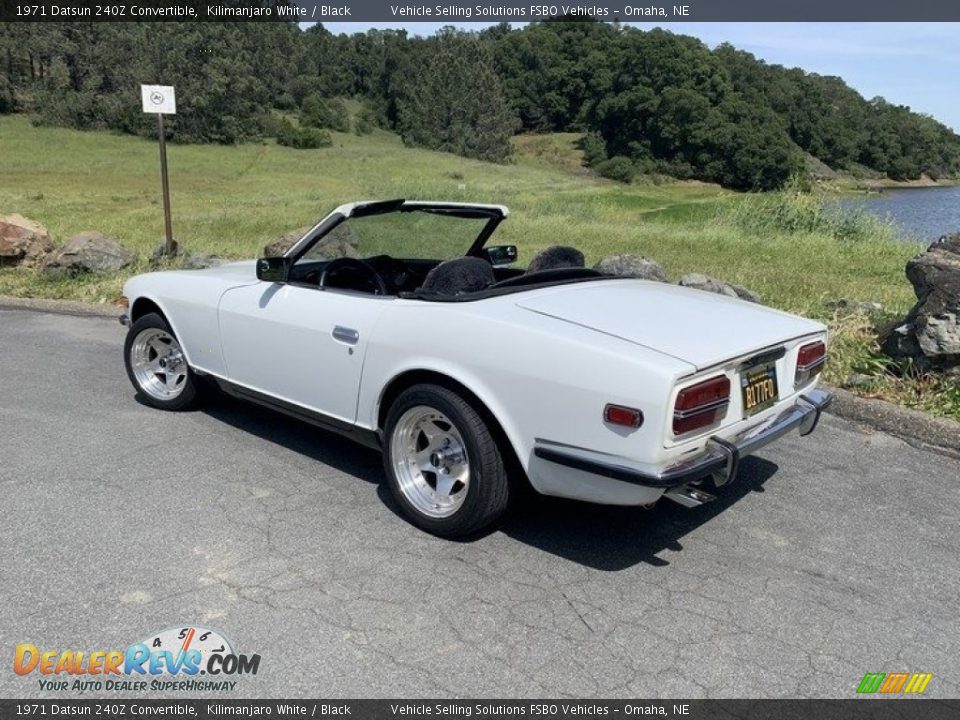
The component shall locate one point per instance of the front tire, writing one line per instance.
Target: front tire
(157, 366)
(443, 465)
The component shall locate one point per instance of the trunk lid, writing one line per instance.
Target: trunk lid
(700, 328)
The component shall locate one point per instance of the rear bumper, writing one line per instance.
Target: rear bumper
(720, 458)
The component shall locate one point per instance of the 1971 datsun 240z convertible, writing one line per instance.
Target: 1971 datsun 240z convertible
(471, 376)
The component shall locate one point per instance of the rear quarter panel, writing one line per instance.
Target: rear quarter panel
(540, 377)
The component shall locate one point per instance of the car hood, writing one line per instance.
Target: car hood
(700, 328)
(239, 270)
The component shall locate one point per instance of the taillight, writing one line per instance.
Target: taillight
(622, 415)
(701, 405)
(810, 360)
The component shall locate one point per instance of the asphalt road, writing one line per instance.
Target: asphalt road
(832, 556)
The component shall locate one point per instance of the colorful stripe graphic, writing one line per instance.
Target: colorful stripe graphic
(918, 682)
(893, 683)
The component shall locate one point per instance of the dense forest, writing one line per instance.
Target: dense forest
(647, 102)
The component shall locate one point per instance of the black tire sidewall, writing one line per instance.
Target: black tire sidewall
(474, 513)
(188, 396)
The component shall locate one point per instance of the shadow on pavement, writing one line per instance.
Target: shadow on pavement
(598, 536)
(314, 442)
(612, 538)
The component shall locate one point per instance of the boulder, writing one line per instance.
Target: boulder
(631, 266)
(186, 260)
(278, 246)
(199, 260)
(159, 253)
(721, 287)
(89, 252)
(930, 333)
(332, 248)
(339, 242)
(23, 241)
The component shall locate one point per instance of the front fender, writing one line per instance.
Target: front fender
(189, 302)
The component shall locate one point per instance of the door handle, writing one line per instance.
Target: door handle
(345, 334)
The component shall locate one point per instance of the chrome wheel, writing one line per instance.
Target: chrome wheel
(430, 460)
(158, 364)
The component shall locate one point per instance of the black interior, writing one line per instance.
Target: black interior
(398, 276)
(406, 277)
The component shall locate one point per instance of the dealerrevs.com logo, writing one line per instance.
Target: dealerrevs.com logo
(190, 659)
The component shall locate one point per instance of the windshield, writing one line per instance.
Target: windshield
(417, 235)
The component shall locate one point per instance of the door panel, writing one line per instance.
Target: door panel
(299, 344)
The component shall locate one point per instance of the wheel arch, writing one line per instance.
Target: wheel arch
(143, 306)
(408, 378)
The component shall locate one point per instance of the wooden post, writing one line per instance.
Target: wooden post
(168, 248)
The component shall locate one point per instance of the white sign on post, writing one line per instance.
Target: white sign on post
(158, 99)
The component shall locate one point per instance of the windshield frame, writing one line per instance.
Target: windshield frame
(495, 214)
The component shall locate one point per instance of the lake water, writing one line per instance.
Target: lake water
(923, 214)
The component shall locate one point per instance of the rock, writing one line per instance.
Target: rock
(332, 248)
(631, 266)
(23, 241)
(89, 252)
(937, 271)
(930, 333)
(159, 252)
(184, 260)
(280, 245)
(900, 342)
(711, 284)
(199, 261)
(850, 307)
(339, 242)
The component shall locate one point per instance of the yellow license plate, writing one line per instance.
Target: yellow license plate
(759, 386)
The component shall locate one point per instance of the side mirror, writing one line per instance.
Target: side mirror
(500, 255)
(273, 269)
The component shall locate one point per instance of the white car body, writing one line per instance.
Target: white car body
(544, 361)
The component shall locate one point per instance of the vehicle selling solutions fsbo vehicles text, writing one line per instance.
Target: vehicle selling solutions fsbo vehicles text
(535, 12)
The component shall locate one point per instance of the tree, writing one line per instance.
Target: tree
(662, 102)
(456, 103)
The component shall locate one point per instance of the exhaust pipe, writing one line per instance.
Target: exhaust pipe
(687, 496)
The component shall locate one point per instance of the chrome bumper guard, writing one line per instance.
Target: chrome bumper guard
(719, 459)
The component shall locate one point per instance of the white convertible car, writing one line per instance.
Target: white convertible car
(472, 376)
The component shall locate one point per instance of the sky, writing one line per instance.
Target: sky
(914, 64)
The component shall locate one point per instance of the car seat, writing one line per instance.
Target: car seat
(460, 275)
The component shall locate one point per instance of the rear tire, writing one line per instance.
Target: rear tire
(443, 465)
(157, 367)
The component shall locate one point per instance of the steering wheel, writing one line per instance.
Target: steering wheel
(356, 264)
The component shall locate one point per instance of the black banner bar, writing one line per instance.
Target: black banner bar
(122, 709)
(400, 11)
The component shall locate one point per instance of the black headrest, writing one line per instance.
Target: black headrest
(557, 256)
(460, 275)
